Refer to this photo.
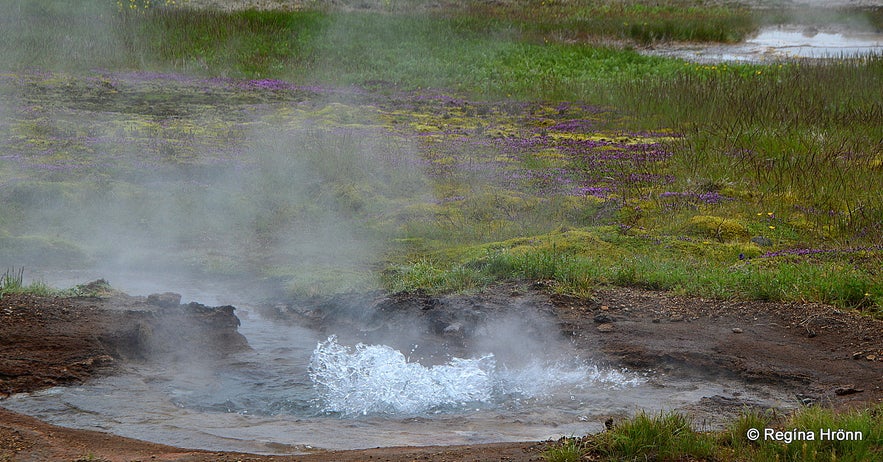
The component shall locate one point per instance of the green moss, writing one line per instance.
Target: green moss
(718, 228)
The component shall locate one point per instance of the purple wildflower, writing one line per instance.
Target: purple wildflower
(805, 251)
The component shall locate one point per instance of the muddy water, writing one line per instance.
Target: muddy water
(780, 43)
(266, 401)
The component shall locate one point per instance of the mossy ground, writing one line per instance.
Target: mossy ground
(446, 151)
(452, 193)
(419, 154)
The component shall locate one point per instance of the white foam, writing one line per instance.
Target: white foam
(369, 379)
(377, 379)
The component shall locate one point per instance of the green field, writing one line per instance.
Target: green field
(420, 147)
(409, 146)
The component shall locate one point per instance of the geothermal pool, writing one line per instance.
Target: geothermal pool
(299, 390)
(781, 43)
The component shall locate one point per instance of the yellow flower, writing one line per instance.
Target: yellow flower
(772, 227)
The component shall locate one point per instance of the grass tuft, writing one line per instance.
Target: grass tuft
(12, 282)
(666, 436)
(670, 437)
(567, 450)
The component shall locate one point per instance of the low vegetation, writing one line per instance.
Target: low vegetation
(845, 436)
(412, 147)
(12, 282)
(444, 149)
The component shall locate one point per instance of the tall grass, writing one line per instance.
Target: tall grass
(795, 151)
(667, 436)
(12, 282)
(803, 139)
(636, 21)
(245, 43)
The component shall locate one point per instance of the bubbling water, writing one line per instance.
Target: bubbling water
(377, 379)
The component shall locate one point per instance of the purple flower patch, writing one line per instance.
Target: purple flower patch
(805, 251)
(681, 199)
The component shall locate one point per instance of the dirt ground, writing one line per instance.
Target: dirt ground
(815, 352)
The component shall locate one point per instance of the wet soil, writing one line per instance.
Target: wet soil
(51, 341)
(817, 353)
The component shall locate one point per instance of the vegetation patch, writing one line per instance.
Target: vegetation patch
(457, 146)
(722, 229)
(761, 436)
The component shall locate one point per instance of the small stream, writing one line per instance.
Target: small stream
(773, 44)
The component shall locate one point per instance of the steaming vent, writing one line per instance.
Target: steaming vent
(377, 379)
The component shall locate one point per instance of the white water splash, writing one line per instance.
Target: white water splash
(372, 379)
(377, 379)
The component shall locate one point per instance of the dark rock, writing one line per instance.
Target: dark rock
(165, 299)
(603, 318)
(846, 390)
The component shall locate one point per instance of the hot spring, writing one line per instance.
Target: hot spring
(786, 42)
(299, 389)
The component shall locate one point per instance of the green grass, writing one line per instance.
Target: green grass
(12, 282)
(569, 450)
(704, 268)
(248, 43)
(671, 437)
(636, 21)
(471, 51)
(453, 201)
(782, 136)
(667, 436)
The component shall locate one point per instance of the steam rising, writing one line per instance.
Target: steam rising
(139, 175)
(283, 199)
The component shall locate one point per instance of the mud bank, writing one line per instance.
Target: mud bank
(49, 341)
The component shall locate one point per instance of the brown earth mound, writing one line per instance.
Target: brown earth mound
(48, 341)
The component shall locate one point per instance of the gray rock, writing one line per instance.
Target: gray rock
(762, 241)
(603, 318)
